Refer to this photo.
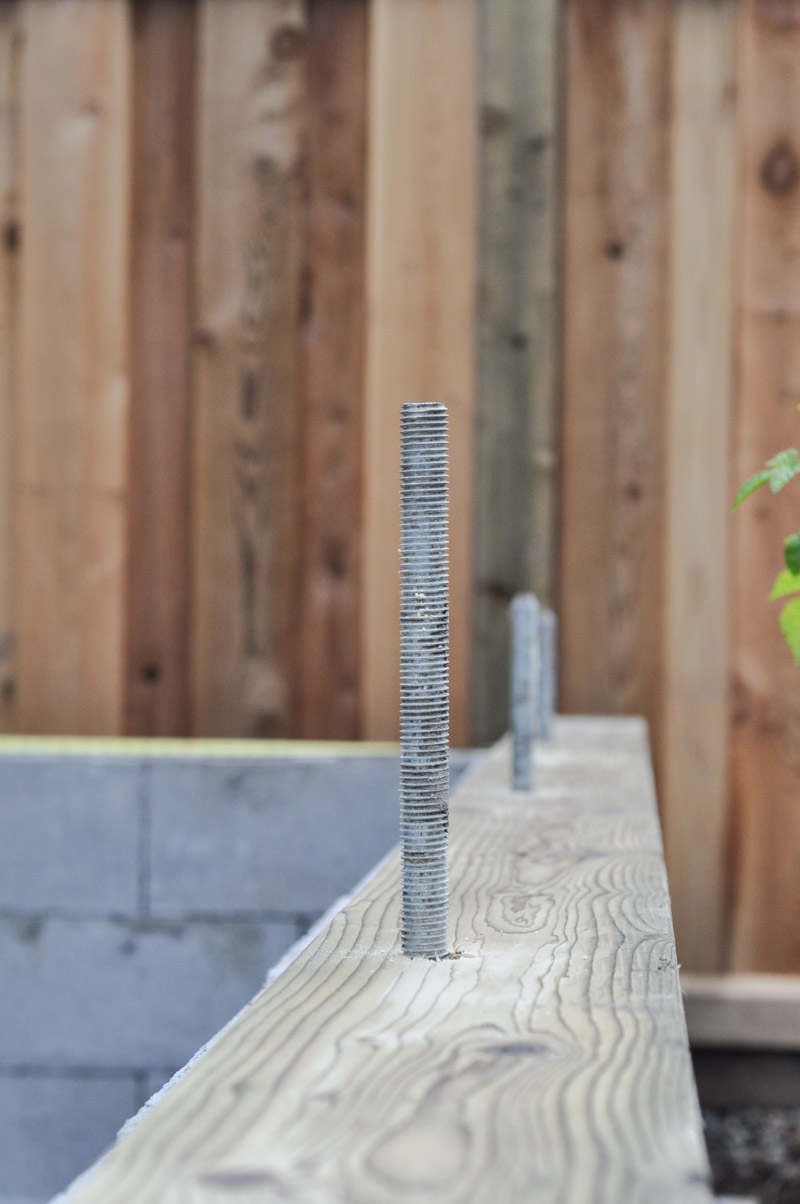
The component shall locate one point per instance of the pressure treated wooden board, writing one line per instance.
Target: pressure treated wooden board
(421, 273)
(332, 392)
(616, 172)
(73, 365)
(766, 708)
(546, 1061)
(251, 93)
(516, 421)
(10, 45)
(157, 604)
(694, 744)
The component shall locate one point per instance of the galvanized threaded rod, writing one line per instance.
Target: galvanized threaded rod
(525, 687)
(549, 653)
(424, 686)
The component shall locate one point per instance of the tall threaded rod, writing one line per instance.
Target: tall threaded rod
(549, 671)
(424, 686)
(525, 687)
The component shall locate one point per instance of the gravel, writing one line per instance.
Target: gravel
(755, 1152)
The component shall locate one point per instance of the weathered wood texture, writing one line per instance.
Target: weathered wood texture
(328, 654)
(157, 605)
(10, 38)
(546, 1061)
(73, 369)
(238, 234)
(694, 737)
(516, 426)
(614, 355)
(421, 248)
(251, 74)
(766, 722)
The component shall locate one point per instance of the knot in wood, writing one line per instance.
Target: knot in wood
(780, 170)
(288, 42)
(780, 15)
(494, 120)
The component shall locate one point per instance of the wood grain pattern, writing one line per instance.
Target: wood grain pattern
(766, 731)
(695, 786)
(248, 289)
(546, 1063)
(10, 46)
(615, 308)
(421, 250)
(73, 369)
(333, 366)
(158, 581)
(516, 494)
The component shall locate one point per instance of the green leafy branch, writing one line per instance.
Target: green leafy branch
(777, 473)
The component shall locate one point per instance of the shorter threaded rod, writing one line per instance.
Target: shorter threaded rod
(424, 680)
(549, 673)
(525, 687)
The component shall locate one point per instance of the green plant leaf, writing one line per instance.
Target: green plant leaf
(791, 553)
(790, 626)
(782, 468)
(751, 484)
(785, 583)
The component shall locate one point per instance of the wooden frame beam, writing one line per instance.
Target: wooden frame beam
(545, 1059)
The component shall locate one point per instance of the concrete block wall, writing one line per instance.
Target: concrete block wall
(142, 901)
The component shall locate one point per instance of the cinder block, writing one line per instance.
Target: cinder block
(122, 994)
(68, 834)
(53, 1128)
(278, 835)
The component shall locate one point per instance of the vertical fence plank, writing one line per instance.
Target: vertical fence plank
(420, 327)
(157, 596)
(10, 44)
(766, 722)
(73, 365)
(694, 797)
(249, 219)
(616, 174)
(516, 422)
(332, 392)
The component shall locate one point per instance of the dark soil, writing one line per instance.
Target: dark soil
(755, 1152)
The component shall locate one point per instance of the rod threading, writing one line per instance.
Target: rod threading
(525, 687)
(549, 671)
(424, 679)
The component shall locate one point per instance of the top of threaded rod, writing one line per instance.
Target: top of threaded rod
(417, 411)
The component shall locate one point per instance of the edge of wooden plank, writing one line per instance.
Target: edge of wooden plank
(765, 716)
(73, 366)
(249, 205)
(332, 376)
(616, 162)
(516, 422)
(421, 270)
(10, 45)
(158, 578)
(694, 738)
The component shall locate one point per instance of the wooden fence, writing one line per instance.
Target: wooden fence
(238, 234)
